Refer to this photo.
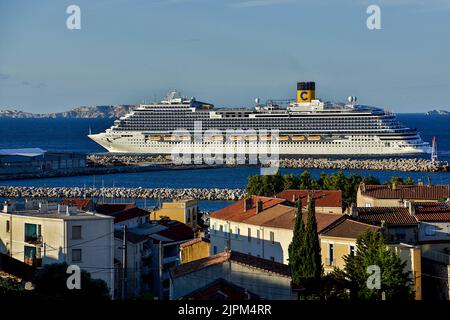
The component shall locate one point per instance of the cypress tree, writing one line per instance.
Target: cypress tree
(313, 258)
(296, 248)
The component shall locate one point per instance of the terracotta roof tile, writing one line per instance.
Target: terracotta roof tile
(79, 203)
(176, 231)
(432, 211)
(323, 198)
(236, 211)
(194, 241)
(432, 192)
(391, 215)
(348, 228)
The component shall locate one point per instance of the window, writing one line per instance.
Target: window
(430, 230)
(76, 232)
(272, 258)
(272, 237)
(237, 232)
(330, 254)
(249, 235)
(215, 228)
(8, 226)
(352, 250)
(76, 255)
(215, 250)
(448, 230)
(258, 236)
(368, 205)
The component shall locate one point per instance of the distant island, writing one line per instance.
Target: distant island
(79, 112)
(438, 112)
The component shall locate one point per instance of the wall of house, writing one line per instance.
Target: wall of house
(195, 251)
(57, 246)
(366, 201)
(436, 280)
(413, 258)
(267, 285)
(184, 212)
(431, 231)
(341, 248)
(240, 240)
(134, 267)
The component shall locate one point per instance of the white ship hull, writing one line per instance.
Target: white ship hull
(135, 143)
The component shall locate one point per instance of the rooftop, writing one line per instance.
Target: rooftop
(245, 208)
(161, 230)
(49, 210)
(323, 198)
(415, 192)
(390, 215)
(432, 211)
(348, 228)
(237, 257)
(274, 214)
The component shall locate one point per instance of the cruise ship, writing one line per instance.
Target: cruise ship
(302, 126)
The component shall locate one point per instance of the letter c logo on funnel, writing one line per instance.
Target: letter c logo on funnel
(302, 95)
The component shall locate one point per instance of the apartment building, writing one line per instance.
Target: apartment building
(395, 195)
(43, 232)
(182, 210)
(259, 226)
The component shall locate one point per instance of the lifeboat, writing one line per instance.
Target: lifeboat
(282, 138)
(169, 138)
(251, 138)
(314, 138)
(153, 138)
(217, 138)
(298, 138)
(265, 138)
(236, 138)
(183, 138)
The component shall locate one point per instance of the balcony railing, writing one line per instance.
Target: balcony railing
(36, 240)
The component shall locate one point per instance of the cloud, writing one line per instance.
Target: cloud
(260, 3)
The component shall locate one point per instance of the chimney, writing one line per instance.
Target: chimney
(411, 208)
(247, 204)
(429, 182)
(394, 185)
(354, 212)
(293, 197)
(259, 206)
(363, 186)
(420, 182)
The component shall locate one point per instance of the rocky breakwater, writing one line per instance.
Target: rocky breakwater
(131, 193)
(392, 164)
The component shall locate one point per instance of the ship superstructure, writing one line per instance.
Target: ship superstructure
(306, 126)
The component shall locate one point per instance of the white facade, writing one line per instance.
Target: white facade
(432, 231)
(264, 242)
(55, 234)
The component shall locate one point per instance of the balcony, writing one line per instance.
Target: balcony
(34, 239)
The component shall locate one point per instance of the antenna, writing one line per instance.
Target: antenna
(434, 155)
(90, 131)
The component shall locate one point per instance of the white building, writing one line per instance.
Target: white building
(41, 232)
(259, 226)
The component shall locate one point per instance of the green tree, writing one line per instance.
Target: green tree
(290, 181)
(297, 248)
(372, 251)
(51, 281)
(305, 180)
(313, 259)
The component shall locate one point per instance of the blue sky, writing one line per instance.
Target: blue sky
(224, 51)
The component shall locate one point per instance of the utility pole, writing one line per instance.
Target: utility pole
(160, 269)
(124, 262)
